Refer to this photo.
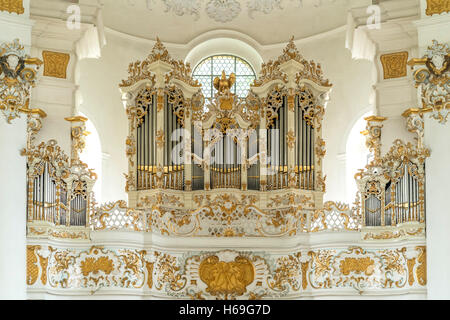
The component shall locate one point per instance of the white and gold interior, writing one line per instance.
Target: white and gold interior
(224, 161)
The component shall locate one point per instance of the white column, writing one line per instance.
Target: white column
(12, 209)
(437, 173)
(437, 209)
(13, 176)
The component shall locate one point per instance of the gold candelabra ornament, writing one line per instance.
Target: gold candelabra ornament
(18, 74)
(433, 81)
(373, 135)
(78, 133)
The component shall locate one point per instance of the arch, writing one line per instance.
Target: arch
(225, 46)
(356, 155)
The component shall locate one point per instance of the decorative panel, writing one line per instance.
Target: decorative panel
(226, 274)
(12, 6)
(55, 64)
(394, 64)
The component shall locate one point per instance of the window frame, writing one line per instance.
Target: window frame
(212, 75)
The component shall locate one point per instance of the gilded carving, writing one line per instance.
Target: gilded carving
(394, 64)
(18, 75)
(357, 265)
(92, 265)
(12, 6)
(32, 267)
(229, 274)
(226, 278)
(437, 7)
(410, 263)
(169, 273)
(139, 70)
(320, 150)
(433, 81)
(373, 135)
(290, 139)
(287, 272)
(55, 64)
(149, 266)
(160, 139)
(421, 270)
(271, 70)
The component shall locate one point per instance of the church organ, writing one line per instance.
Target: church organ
(269, 140)
(59, 188)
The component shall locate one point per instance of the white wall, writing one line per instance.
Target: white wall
(438, 211)
(13, 201)
(99, 81)
(349, 100)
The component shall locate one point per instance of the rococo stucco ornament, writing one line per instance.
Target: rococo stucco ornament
(181, 7)
(227, 10)
(226, 274)
(434, 81)
(17, 76)
(223, 10)
(265, 6)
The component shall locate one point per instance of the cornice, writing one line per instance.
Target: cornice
(140, 240)
(226, 33)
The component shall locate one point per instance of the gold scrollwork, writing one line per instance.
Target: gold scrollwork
(437, 7)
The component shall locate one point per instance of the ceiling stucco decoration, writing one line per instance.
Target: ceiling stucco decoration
(226, 10)
(223, 10)
(264, 6)
(182, 7)
(271, 18)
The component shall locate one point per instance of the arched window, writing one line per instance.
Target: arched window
(212, 67)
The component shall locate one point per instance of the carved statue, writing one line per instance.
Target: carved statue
(223, 86)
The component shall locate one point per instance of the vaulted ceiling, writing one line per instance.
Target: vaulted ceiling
(273, 21)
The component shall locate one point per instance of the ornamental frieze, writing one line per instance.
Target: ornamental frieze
(226, 274)
(226, 215)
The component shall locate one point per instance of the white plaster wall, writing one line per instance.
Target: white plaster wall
(395, 128)
(12, 209)
(437, 208)
(101, 102)
(349, 100)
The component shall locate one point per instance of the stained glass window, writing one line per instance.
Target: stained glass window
(212, 67)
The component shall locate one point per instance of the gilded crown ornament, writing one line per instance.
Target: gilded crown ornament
(139, 70)
(271, 70)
